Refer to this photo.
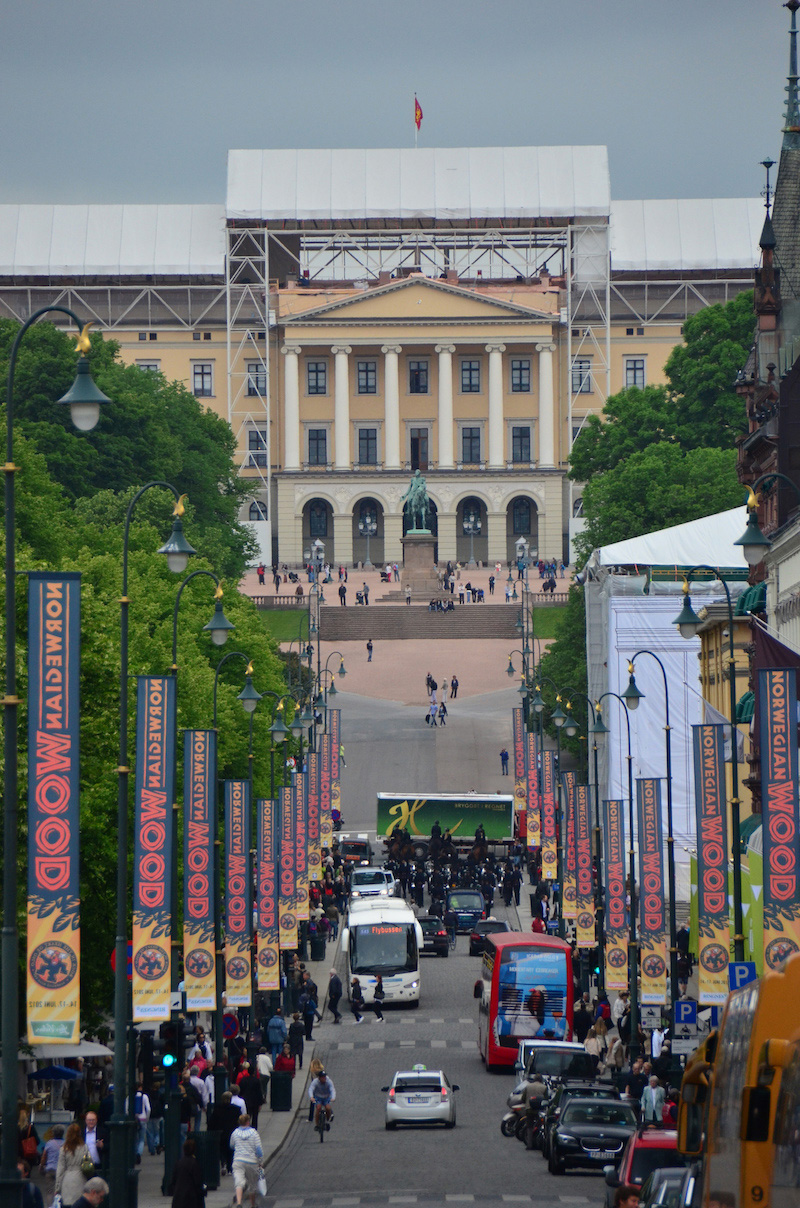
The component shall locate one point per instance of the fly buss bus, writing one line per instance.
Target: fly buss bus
(525, 993)
(383, 937)
(739, 1111)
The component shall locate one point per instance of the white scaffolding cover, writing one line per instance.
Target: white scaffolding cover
(446, 183)
(112, 240)
(709, 539)
(700, 234)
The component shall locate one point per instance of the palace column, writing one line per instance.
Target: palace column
(391, 406)
(343, 543)
(496, 539)
(341, 408)
(497, 459)
(291, 407)
(445, 458)
(547, 440)
(392, 537)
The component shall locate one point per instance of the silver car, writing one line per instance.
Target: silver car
(420, 1096)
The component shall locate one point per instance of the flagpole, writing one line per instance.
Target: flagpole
(416, 127)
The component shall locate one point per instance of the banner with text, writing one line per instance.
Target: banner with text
(652, 898)
(325, 818)
(713, 918)
(300, 801)
(335, 736)
(268, 936)
(520, 785)
(616, 930)
(152, 846)
(314, 820)
(287, 903)
(54, 907)
(199, 823)
(779, 807)
(533, 816)
(585, 921)
(549, 844)
(570, 891)
(238, 893)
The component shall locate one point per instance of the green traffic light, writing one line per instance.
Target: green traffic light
(168, 1059)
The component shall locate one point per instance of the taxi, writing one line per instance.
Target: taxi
(420, 1096)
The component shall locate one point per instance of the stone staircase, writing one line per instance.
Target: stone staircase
(391, 622)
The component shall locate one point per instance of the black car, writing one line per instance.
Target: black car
(434, 936)
(468, 905)
(477, 942)
(590, 1133)
(562, 1095)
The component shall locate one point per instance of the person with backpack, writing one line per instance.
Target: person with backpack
(378, 997)
(356, 1000)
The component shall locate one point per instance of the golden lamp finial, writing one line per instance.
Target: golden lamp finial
(249, 670)
(179, 509)
(218, 593)
(82, 343)
(751, 503)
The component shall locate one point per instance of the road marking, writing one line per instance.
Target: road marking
(574, 1199)
(402, 1199)
(346, 1046)
(377, 1044)
(407, 1044)
(432, 1020)
(466, 1021)
(438, 1044)
(288, 1204)
(460, 1199)
(468, 1044)
(344, 1201)
(516, 1199)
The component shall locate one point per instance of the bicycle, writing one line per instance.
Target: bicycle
(322, 1122)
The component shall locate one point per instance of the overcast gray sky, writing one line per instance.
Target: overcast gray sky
(139, 100)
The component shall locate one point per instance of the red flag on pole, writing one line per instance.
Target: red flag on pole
(417, 112)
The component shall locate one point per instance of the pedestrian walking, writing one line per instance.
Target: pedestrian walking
(504, 761)
(396, 572)
(276, 1032)
(508, 593)
(356, 1000)
(343, 595)
(432, 712)
(444, 689)
(453, 688)
(442, 713)
(335, 995)
(378, 997)
(365, 590)
(260, 571)
(369, 651)
(341, 755)
(408, 593)
(247, 1155)
(186, 1185)
(297, 1036)
(491, 585)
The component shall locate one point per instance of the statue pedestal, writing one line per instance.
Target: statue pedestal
(419, 569)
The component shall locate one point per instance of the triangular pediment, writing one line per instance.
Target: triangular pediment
(417, 299)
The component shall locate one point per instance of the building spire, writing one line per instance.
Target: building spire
(791, 131)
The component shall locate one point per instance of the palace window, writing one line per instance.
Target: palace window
(634, 372)
(317, 519)
(470, 377)
(257, 447)
(471, 445)
(417, 377)
(258, 510)
(317, 446)
(581, 375)
(203, 379)
(317, 377)
(521, 444)
(256, 379)
(521, 376)
(367, 377)
(367, 446)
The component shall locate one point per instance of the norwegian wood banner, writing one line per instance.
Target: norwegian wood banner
(713, 916)
(287, 893)
(652, 898)
(585, 921)
(199, 819)
(616, 929)
(520, 785)
(533, 816)
(238, 893)
(153, 863)
(314, 819)
(570, 895)
(549, 846)
(335, 744)
(268, 961)
(300, 805)
(781, 815)
(54, 937)
(325, 818)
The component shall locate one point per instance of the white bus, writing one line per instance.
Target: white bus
(383, 936)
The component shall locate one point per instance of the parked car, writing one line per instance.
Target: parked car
(647, 1150)
(589, 1133)
(420, 1096)
(662, 1188)
(434, 935)
(477, 941)
(561, 1097)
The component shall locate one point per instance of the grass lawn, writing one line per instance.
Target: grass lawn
(545, 620)
(284, 624)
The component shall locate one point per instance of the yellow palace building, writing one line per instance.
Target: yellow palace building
(360, 314)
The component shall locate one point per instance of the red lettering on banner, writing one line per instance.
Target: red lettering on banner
(52, 752)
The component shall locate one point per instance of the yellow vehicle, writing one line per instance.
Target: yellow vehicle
(740, 1098)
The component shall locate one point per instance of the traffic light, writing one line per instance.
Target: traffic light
(170, 1043)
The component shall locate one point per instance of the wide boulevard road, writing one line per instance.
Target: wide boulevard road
(360, 1163)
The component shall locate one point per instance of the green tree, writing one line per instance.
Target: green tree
(564, 662)
(632, 420)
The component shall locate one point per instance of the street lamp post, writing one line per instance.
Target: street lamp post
(633, 945)
(632, 696)
(177, 552)
(84, 400)
(368, 527)
(753, 542)
(688, 624)
(472, 526)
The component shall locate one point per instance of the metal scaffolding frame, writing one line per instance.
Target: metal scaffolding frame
(123, 303)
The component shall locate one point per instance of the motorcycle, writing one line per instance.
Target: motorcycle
(512, 1120)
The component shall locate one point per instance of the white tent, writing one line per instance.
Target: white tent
(709, 539)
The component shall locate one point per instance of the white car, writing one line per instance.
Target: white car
(367, 882)
(420, 1096)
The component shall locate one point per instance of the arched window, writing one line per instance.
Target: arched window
(471, 516)
(258, 510)
(318, 518)
(522, 517)
(368, 510)
(577, 507)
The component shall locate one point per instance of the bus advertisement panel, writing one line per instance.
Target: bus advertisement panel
(525, 993)
(460, 814)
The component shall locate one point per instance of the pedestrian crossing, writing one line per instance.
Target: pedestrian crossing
(412, 1020)
(349, 1046)
(383, 1200)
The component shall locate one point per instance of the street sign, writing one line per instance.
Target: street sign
(112, 960)
(741, 973)
(685, 1012)
(684, 1045)
(651, 1017)
(230, 1026)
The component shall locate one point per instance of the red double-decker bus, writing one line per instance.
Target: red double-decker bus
(525, 993)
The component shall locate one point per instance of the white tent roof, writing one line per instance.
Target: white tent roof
(401, 182)
(84, 1048)
(111, 240)
(696, 233)
(709, 539)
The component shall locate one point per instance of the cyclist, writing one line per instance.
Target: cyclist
(451, 926)
(322, 1093)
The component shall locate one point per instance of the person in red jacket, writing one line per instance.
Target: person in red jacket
(284, 1062)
